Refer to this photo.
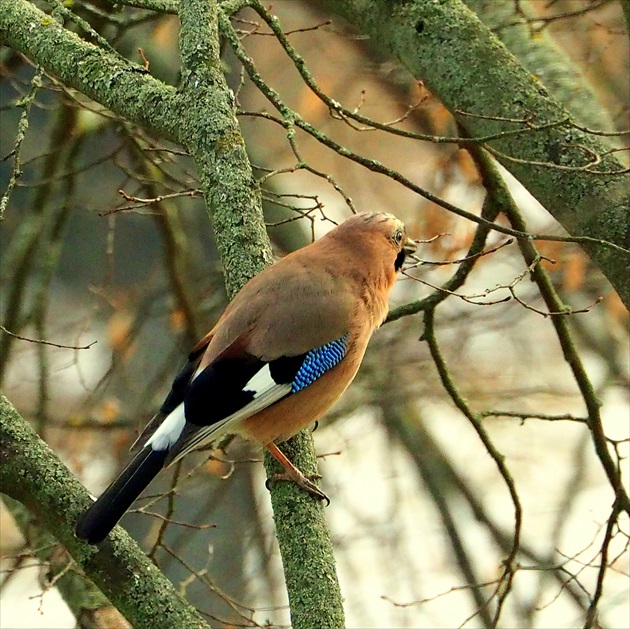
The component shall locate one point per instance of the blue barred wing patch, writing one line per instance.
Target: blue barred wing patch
(318, 361)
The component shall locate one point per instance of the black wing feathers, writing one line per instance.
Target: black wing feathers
(284, 369)
(217, 391)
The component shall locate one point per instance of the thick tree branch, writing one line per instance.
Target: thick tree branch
(31, 473)
(307, 555)
(302, 532)
(567, 169)
(210, 132)
(545, 59)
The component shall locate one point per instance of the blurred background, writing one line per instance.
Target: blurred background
(108, 253)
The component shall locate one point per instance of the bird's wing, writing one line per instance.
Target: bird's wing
(236, 387)
(287, 309)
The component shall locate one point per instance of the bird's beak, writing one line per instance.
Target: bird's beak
(409, 246)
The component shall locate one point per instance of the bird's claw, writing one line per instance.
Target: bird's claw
(302, 481)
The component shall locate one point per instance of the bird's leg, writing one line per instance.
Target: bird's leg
(292, 473)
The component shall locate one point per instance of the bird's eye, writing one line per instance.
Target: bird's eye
(398, 237)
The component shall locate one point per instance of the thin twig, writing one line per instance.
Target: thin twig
(60, 346)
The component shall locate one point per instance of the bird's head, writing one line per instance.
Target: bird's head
(384, 233)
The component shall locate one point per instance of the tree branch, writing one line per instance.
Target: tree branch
(31, 473)
(482, 84)
(545, 59)
(501, 197)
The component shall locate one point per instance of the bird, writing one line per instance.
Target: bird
(281, 354)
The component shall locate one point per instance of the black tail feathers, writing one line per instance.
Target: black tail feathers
(96, 523)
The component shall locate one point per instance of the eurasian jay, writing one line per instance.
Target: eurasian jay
(282, 353)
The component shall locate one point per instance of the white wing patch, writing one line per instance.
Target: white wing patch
(169, 430)
(260, 382)
(265, 393)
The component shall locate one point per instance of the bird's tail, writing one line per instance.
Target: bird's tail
(96, 523)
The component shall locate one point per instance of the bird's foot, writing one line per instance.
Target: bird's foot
(292, 473)
(305, 482)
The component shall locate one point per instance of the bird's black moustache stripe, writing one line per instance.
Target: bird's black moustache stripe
(400, 260)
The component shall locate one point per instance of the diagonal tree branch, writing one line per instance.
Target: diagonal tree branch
(566, 168)
(31, 473)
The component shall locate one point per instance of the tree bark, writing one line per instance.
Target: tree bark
(31, 473)
(546, 60)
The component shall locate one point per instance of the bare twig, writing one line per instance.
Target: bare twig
(42, 342)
